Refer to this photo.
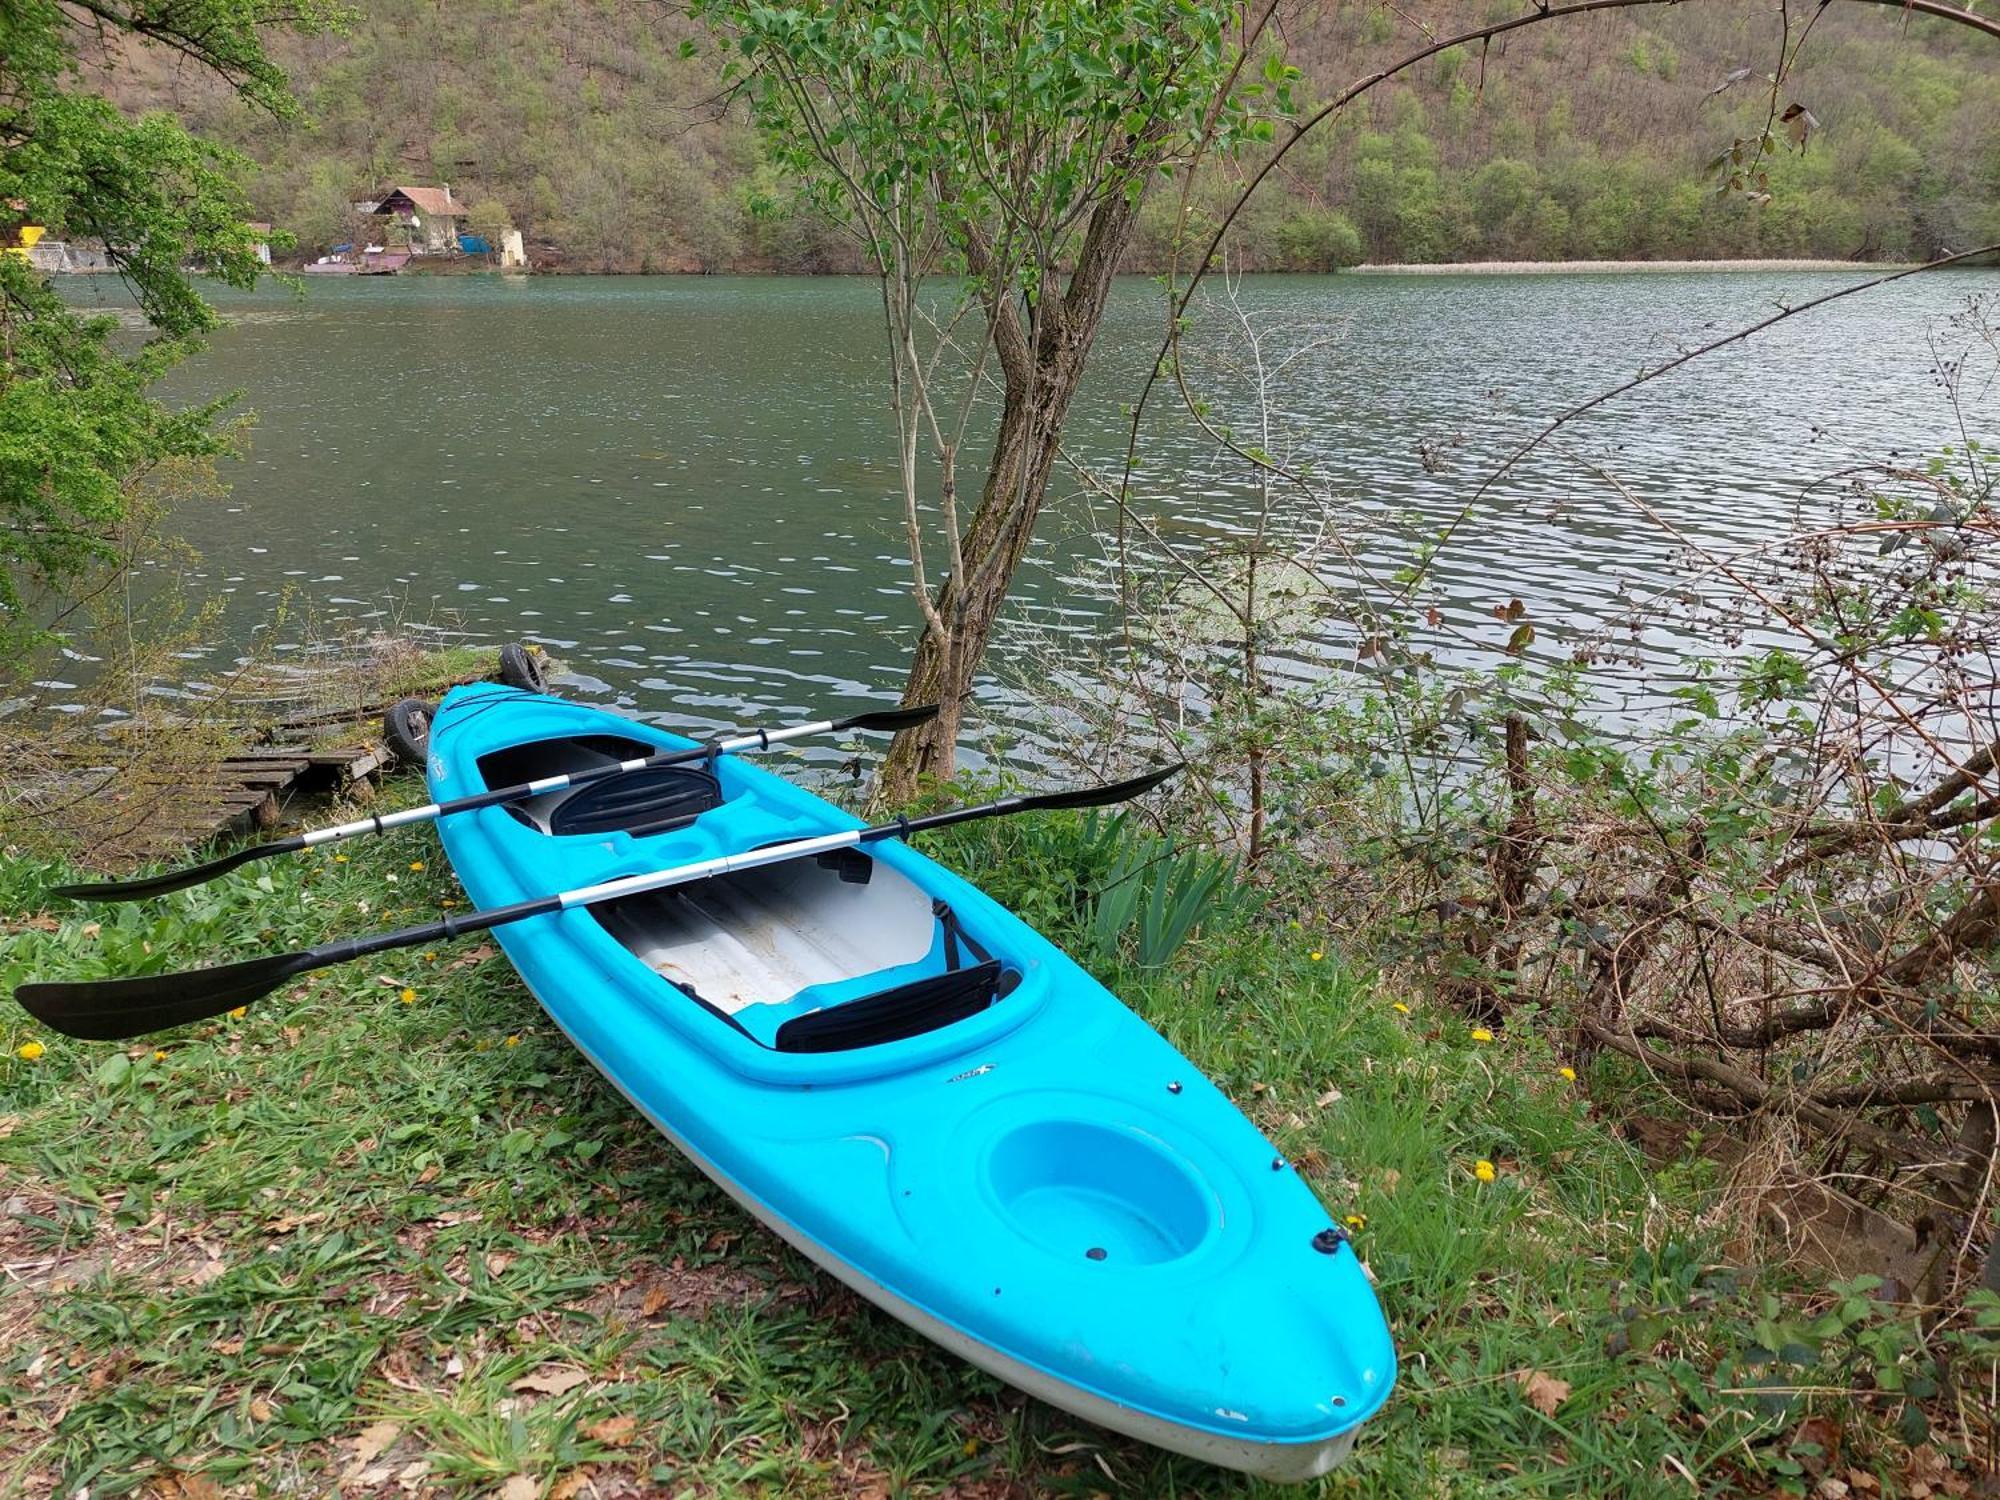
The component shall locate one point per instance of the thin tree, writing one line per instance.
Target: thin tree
(992, 159)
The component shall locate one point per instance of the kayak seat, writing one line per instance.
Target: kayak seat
(635, 802)
(890, 1015)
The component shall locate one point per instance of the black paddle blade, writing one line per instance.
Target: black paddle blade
(1100, 796)
(891, 721)
(112, 1010)
(173, 880)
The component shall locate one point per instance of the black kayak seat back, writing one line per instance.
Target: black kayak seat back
(637, 802)
(633, 802)
(907, 1010)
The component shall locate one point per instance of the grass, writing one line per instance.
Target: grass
(390, 1233)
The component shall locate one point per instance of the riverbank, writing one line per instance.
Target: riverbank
(1616, 267)
(391, 1232)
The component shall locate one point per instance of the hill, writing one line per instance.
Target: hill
(1588, 138)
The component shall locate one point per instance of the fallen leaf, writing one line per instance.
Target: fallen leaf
(371, 1445)
(552, 1381)
(1331, 1096)
(613, 1430)
(656, 1300)
(477, 955)
(1542, 1391)
(567, 1486)
(454, 1367)
(497, 1262)
(520, 1487)
(411, 1474)
(260, 1409)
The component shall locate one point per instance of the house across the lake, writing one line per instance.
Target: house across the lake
(425, 219)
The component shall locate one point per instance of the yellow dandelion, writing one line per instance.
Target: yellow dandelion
(1568, 1074)
(1315, 955)
(29, 1051)
(159, 1055)
(408, 997)
(340, 859)
(416, 864)
(1357, 1221)
(971, 1448)
(513, 1041)
(239, 1013)
(1399, 1008)
(1483, 1170)
(1481, 1034)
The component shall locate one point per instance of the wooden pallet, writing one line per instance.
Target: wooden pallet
(156, 813)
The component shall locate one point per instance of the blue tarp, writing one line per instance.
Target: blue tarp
(340, 249)
(472, 244)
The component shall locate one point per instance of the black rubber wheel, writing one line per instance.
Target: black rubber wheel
(407, 728)
(522, 668)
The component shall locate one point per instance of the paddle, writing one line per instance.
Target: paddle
(115, 1009)
(888, 720)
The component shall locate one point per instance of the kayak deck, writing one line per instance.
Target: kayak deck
(936, 1104)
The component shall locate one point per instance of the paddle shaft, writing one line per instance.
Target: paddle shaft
(348, 949)
(143, 886)
(430, 812)
(109, 1009)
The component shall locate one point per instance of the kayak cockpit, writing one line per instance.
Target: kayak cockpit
(638, 803)
(820, 955)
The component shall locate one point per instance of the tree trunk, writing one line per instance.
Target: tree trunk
(1024, 454)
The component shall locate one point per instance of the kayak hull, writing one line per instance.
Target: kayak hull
(1038, 1182)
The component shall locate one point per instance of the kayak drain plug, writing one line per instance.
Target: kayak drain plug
(1330, 1239)
(1095, 1252)
(1173, 1088)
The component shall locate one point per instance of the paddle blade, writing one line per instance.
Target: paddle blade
(108, 1010)
(160, 885)
(891, 721)
(1101, 796)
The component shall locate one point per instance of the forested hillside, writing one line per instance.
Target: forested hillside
(581, 124)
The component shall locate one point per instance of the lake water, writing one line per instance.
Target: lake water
(683, 486)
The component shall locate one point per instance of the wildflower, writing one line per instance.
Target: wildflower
(416, 864)
(408, 997)
(391, 878)
(513, 1041)
(1399, 1008)
(159, 1055)
(1483, 1170)
(1481, 1034)
(1357, 1222)
(1568, 1074)
(1315, 955)
(340, 859)
(29, 1051)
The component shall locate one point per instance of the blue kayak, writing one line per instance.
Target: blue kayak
(922, 1094)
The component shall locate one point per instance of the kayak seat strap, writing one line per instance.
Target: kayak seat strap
(890, 1015)
(955, 938)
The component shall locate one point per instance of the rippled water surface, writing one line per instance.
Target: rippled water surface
(683, 485)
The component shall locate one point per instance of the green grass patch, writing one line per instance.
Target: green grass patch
(389, 1228)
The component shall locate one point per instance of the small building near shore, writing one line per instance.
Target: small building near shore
(426, 219)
